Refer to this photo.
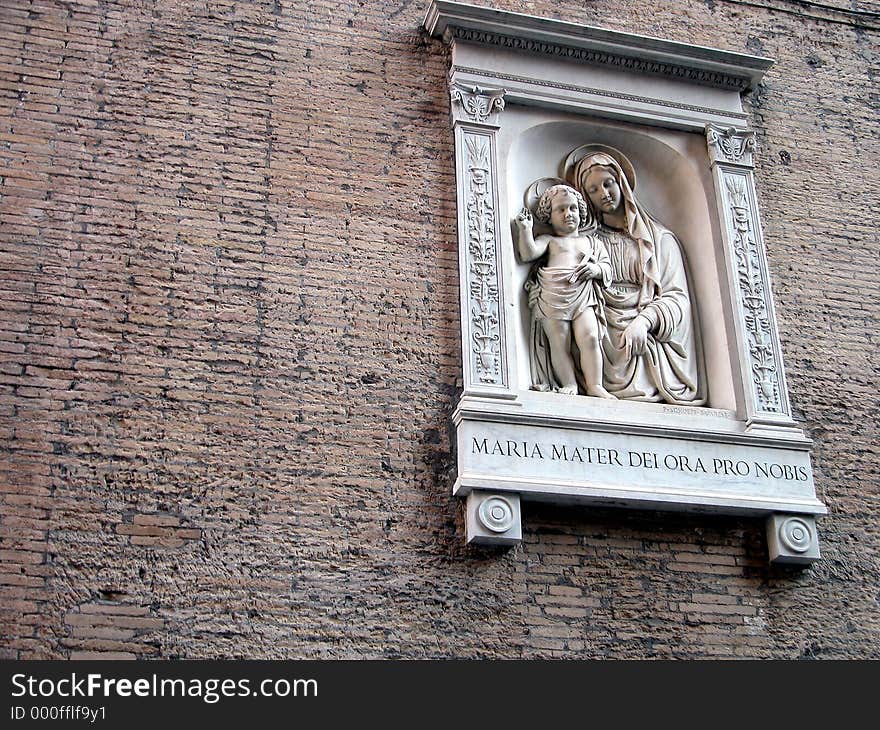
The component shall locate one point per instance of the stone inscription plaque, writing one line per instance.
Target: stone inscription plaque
(610, 466)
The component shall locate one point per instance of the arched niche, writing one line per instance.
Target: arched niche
(674, 184)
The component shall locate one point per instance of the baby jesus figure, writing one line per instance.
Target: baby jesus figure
(566, 297)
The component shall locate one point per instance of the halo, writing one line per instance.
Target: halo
(578, 154)
(537, 188)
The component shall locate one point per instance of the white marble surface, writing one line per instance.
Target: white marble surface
(685, 468)
(516, 115)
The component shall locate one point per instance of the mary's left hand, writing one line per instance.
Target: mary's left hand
(635, 337)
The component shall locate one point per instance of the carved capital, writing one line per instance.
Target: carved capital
(476, 105)
(730, 145)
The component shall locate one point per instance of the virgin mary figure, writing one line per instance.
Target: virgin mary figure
(648, 348)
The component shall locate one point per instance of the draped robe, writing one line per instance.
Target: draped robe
(649, 281)
(552, 295)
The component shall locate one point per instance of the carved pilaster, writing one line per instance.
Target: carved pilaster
(476, 114)
(731, 156)
(483, 285)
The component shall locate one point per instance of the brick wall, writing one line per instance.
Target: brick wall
(229, 334)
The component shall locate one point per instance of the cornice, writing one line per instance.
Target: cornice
(463, 23)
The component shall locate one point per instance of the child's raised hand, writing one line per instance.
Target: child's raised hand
(524, 220)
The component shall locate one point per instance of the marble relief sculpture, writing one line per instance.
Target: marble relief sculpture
(565, 295)
(619, 277)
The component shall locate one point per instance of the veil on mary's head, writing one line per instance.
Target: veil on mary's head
(577, 168)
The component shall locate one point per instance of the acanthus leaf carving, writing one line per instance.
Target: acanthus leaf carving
(731, 145)
(478, 105)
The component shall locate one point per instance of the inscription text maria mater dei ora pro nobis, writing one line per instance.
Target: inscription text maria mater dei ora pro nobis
(637, 459)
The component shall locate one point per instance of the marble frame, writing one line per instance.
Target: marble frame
(514, 75)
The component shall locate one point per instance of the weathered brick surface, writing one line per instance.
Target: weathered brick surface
(229, 347)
